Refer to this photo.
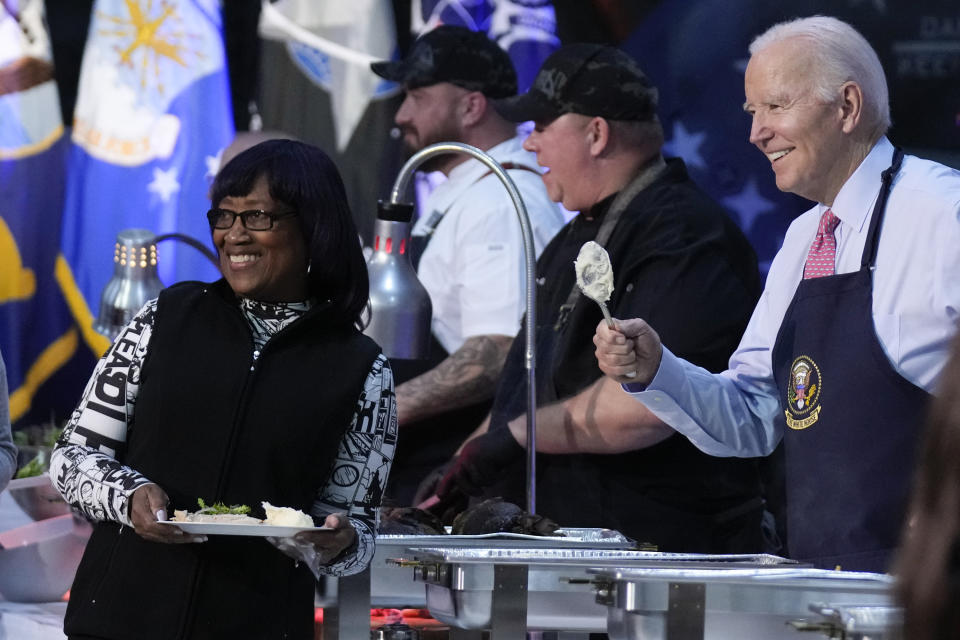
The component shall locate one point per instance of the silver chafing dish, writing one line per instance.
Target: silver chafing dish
(775, 603)
(510, 591)
(390, 584)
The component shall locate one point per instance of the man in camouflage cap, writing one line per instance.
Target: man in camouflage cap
(675, 255)
(467, 243)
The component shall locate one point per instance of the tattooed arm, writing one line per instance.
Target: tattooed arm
(467, 376)
(84, 466)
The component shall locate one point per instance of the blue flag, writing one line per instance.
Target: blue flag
(695, 52)
(152, 117)
(526, 30)
(37, 336)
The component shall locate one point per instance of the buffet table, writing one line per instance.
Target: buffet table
(26, 621)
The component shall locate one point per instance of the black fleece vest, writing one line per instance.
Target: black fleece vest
(214, 422)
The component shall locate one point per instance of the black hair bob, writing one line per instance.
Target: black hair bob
(304, 178)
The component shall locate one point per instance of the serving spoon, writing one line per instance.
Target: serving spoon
(595, 278)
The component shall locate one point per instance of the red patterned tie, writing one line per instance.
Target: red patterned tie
(823, 252)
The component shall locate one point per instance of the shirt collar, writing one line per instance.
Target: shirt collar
(856, 198)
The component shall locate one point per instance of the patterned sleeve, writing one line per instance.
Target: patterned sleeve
(84, 465)
(360, 471)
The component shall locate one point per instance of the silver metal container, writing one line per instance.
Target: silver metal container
(390, 580)
(134, 281)
(537, 588)
(392, 583)
(773, 603)
(400, 308)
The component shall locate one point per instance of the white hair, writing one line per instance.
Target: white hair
(840, 55)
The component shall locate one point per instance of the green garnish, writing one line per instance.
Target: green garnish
(218, 508)
(32, 468)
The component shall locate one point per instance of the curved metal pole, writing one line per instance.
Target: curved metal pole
(400, 186)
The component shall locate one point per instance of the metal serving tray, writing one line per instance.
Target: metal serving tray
(392, 585)
(537, 588)
(774, 603)
(347, 601)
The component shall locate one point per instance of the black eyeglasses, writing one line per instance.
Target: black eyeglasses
(254, 220)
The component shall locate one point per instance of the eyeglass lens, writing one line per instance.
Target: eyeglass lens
(255, 219)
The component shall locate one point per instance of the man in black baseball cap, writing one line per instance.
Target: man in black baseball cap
(676, 256)
(467, 244)
(457, 55)
(590, 79)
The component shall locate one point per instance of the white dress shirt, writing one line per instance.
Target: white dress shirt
(473, 268)
(916, 302)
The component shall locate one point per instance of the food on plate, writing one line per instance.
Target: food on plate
(217, 512)
(285, 516)
(240, 514)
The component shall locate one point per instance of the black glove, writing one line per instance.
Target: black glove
(480, 463)
(427, 488)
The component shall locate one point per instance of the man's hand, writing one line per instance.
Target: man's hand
(633, 347)
(148, 505)
(480, 463)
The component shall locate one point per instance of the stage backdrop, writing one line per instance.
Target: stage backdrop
(151, 119)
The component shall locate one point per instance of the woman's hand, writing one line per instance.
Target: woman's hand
(328, 546)
(319, 548)
(148, 505)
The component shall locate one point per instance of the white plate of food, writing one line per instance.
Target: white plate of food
(220, 520)
(241, 529)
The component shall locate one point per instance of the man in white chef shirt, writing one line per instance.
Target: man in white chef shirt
(466, 244)
(864, 296)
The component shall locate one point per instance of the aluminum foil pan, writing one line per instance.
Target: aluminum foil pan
(594, 557)
(571, 537)
(773, 575)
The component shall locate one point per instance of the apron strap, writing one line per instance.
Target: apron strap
(419, 242)
(873, 235)
(617, 207)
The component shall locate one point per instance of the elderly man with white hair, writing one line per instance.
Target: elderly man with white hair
(863, 296)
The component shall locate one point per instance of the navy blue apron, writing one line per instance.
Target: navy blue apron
(850, 419)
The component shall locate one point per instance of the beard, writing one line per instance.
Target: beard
(415, 140)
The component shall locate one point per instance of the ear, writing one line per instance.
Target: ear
(473, 106)
(598, 135)
(851, 106)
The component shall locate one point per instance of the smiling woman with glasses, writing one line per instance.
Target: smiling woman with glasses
(256, 388)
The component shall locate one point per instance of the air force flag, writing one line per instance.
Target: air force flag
(152, 116)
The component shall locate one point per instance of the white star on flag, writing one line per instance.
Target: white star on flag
(686, 145)
(164, 183)
(749, 204)
(213, 163)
